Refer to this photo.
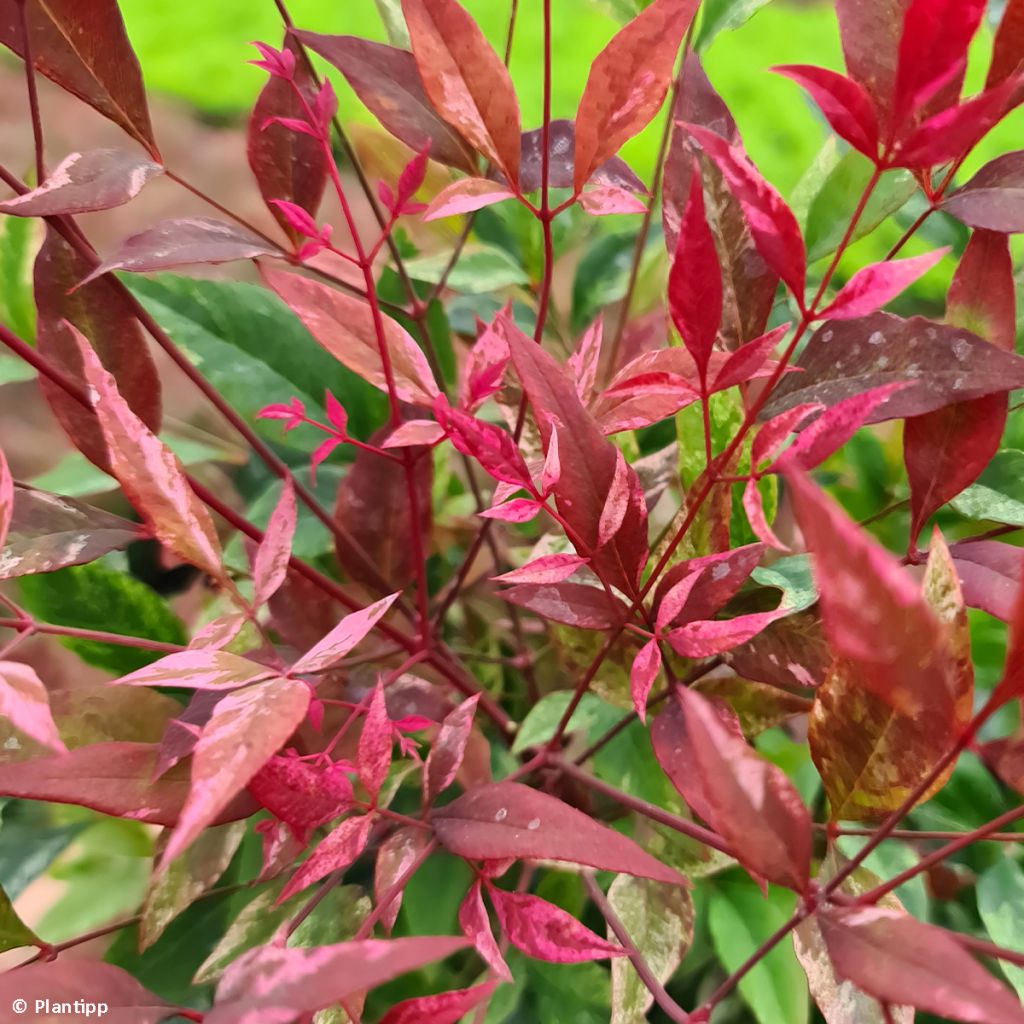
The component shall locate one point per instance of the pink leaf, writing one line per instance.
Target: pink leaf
(675, 596)
(344, 326)
(845, 103)
(574, 604)
(695, 281)
(271, 565)
(616, 505)
(246, 728)
(707, 638)
(298, 219)
(411, 178)
(374, 757)
(748, 361)
(773, 434)
(518, 510)
(754, 508)
(584, 361)
(340, 849)
(508, 820)
(344, 637)
(875, 286)
(395, 858)
(278, 63)
(717, 579)
(6, 499)
(150, 473)
(73, 981)
(833, 428)
(551, 472)
(546, 932)
(772, 224)
(204, 669)
(893, 957)
(627, 83)
(744, 798)
(466, 196)
(990, 574)
(301, 795)
(546, 569)
(476, 927)
(26, 704)
(604, 200)
(414, 433)
(272, 984)
(646, 666)
(443, 1008)
(492, 447)
(98, 179)
(485, 368)
(449, 749)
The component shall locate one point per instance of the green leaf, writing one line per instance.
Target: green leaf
(592, 717)
(14, 933)
(254, 926)
(14, 370)
(568, 993)
(998, 494)
(97, 597)
(832, 207)
(722, 15)
(887, 861)
(1001, 906)
(20, 238)
(659, 919)
(792, 576)
(29, 844)
(601, 277)
(430, 905)
(336, 917)
(394, 23)
(248, 344)
(478, 271)
(740, 920)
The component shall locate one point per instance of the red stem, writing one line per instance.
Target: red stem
(33, 95)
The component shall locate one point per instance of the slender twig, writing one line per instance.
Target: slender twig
(33, 94)
(921, 835)
(30, 625)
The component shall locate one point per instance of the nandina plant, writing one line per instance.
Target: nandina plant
(528, 670)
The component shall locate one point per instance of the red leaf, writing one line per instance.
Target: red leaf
(98, 179)
(25, 703)
(981, 295)
(246, 728)
(286, 165)
(443, 1008)
(518, 510)
(301, 795)
(705, 639)
(395, 857)
(546, 932)
(872, 611)
(994, 198)
(744, 798)
(183, 241)
(114, 778)
(492, 447)
(627, 83)
(695, 282)
(646, 666)
(204, 669)
(389, 84)
(270, 566)
(344, 637)
(875, 286)
(990, 574)
(588, 462)
(70, 981)
(374, 757)
(273, 984)
(717, 579)
(466, 196)
(340, 849)
(942, 365)
(508, 820)
(845, 103)
(547, 569)
(1008, 48)
(344, 326)
(150, 473)
(84, 49)
(749, 361)
(892, 956)
(103, 314)
(771, 222)
(574, 604)
(466, 81)
(833, 428)
(476, 926)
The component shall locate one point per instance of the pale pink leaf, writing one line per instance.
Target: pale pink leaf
(395, 858)
(344, 637)
(271, 565)
(546, 932)
(586, 357)
(518, 510)
(449, 749)
(708, 638)
(616, 504)
(671, 603)
(413, 433)
(476, 927)
(604, 200)
(374, 756)
(646, 666)
(206, 668)
(754, 508)
(26, 704)
(574, 604)
(340, 849)
(875, 286)
(546, 569)
(552, 470)
(485, 368)
(6, 499)
(443, 1008)
(466, 196)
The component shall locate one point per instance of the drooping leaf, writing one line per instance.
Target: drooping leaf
(466, 80)
(244, 731)
(395, 857)
(98, 179)
(49, 532)
(103, 315)
(990, 573)
(507, 819)
(476, 926)
(627, 83)
(895, 957)
(83, 47)
(25, 703)
(388, 82)
(940, 365)
(994, 198)
(344, 327)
